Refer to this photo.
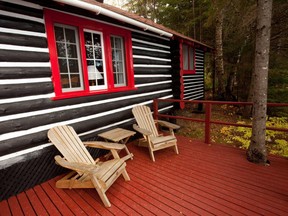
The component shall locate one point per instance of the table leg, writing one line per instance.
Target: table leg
(126, 149)
(128, 156)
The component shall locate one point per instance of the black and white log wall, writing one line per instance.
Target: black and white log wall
(26, 89)
(194, 83)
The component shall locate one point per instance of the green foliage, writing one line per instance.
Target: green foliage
(196, 19)
(276, 141)
(278, 89)
(278, 86)
(281, 147)
(183, 16)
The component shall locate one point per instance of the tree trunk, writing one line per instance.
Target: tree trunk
(200, 24)
(257, 151)
(229, 94)
(193, 15)
(219, 64)
(248, 109)
(232, 77)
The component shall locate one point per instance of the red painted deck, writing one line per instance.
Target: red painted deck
(201, 180)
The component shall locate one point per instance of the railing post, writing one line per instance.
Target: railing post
(207, 122)
(155, 108)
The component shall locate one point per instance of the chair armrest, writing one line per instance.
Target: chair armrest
(141, 130)
(78, 167)
(104, 145)
(167, 124)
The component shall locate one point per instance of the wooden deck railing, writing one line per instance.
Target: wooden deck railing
(208, 113)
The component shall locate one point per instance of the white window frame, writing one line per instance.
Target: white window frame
(71, 89)
(99, 87)
(123, 62)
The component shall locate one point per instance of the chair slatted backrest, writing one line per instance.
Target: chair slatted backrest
(144, 119)
(69, 144)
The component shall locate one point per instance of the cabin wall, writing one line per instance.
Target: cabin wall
(187, 86)
(27, 110)
(194, 83)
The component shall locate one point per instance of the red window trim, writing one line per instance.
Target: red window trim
(52, 17)
(190, 45)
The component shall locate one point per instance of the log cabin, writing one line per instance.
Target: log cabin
(84, 64)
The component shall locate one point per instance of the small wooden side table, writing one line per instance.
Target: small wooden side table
(119, 135)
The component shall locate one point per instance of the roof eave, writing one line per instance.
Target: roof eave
(100, 10)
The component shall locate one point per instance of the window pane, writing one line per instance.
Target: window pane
(185, 57)
(99, 66)
(68, 57)
(191, 58)
(63, 65)
(94, 54)
(96, 39)
(118, 60)
(120, 78)
(65, 81)
(70, 35)
(88, 39)
(98, 52)
(75, 81)
(91, 73)
(59, 34)
(73, 66)
(89, 52)
(61, 49)
(71, 51)
(90, 63)
(119, 67)
(118, 43)
(100, 82)
(114, 66)
(118, 55)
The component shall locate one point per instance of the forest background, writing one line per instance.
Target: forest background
(236, 21)
(230, 26)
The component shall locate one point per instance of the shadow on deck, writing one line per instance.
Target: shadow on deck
(202, 180)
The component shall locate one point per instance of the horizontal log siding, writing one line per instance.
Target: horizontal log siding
(18, 25)
(26, 89)
(194, 83)
(152, 65)
(26, 109)
(24, 58)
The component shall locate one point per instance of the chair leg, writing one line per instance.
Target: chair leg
(103, 197)
(101, 193)
(176, 149)
(152, 155)
(125, 175)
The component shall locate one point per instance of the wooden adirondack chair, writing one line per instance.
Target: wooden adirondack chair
(87, 173)
(146, 125)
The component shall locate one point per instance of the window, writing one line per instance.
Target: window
(68, 57)
(118, 61)
(88, 57)
(95, 62)
(188, 59)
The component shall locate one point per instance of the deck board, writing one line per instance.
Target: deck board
(60, 204)
(36, 202)
(46, 201)
(25, 204)
(15, 206)
(82, 202)
(5, 209)
(71, 204)
(201, 180)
